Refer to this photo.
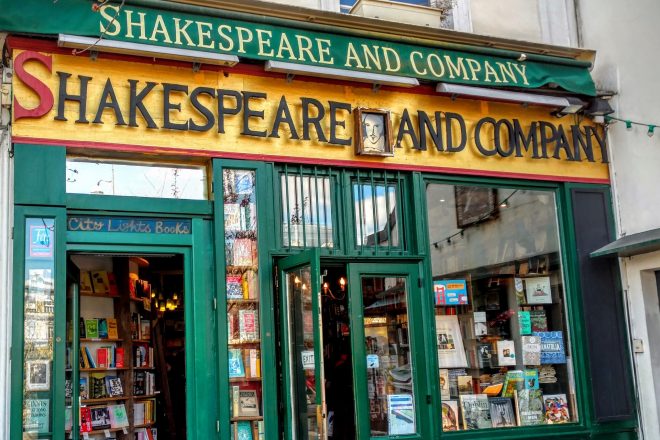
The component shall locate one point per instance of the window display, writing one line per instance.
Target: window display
(502, 337)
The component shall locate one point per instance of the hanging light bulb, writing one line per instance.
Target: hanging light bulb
(153, 294)
(651, 130)
(629, 126)
(342, 283)
(504, 204)
(304, 287)
(175, 297)
(325, 287)
(296, 280)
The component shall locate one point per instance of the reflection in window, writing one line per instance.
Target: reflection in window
(306, 211)
(502, 337)
(389, 369)
(135, 179)
(376, 215)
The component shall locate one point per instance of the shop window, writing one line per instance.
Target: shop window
(503, 343)
(39, 313)
(376, 213)
(306, 208)
(135, 179)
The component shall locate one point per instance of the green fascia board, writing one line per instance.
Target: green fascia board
(39, 172)
(635, 244)
(331, 49)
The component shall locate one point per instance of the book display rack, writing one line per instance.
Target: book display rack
(243, 298)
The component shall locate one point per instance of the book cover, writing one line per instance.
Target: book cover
(84, 388)
(538, 290)
(139, 383)
(251, 284)
(475, 410)
(85, 419)
(453, 380)
(248, 325)
(36, 416)
(86, 282)
(514, 380)
(113, 290)
(464, 384)
(531, 379)
(451, 353)
(92, 328)
(552, 347)
(556, 408)
(113, 386)
(145, 329)
(102, 357)
(97, 386)
(450, 292)
(119, 357)
(118, 416)
(502, 413)
(450, 415)
(525, 322)
(506, 353)
(248, 404)
(236, 367)
(100, 282)
(112, 328)
(244, 431)
(138, 413)
(529, 404)
(100, 418)
(232, 217)
(520, 291)
(539, 321)
(90, 358)
(244, 252)
(68, 418)
(234, 286)
(235, 390)
(135, 326)
(531, 349)
(103, 328)
(255, 362)
(444, 384)
(485, 355)
(82, 329)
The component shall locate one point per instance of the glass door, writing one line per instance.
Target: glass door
(388, 351)
(302, 352)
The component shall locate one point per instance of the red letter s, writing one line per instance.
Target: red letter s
(46, 99)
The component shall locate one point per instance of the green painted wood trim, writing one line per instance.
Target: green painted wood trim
(415, 336)
(18, 318)
(39, 175)
(132, 238)
(143, 205)
(75, 361)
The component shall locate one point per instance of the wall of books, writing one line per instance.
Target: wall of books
(502, 336)
(242, 290)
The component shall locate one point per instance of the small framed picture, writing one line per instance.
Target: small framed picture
(373, 134)
(37, 375)
(474, 204)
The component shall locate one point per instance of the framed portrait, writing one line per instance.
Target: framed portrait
(37, 375)
(373, 132)
(474, 204)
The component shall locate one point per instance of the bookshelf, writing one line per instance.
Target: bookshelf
(243, 304)
(112, 355)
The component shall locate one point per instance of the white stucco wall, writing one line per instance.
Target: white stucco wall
(626, 35)
(517, 19)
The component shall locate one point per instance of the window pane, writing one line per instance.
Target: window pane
(389, 369)
(503, 341)
(376, 215)
(135, 179)
(39, 312)
(306, 211)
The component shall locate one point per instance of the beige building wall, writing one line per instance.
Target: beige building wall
(517, 19)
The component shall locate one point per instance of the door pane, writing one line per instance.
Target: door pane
(389, 369)
(301, 349)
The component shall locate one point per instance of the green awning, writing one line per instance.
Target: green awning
(635, 244)
(262, 38)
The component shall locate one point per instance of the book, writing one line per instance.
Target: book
(502, 413)
(86, 282)
(113, 386)
(244, 252)
(90, 359)
(525, 322)
(552, 347)
(139, 383)
(234, 286)
(236, 367)
(138, 413)
(113, 290)
(244, 431)
(556, 408)
(451, 353)
(145, 330)
(102, 360)
(529, 404)
(480, 324)
(450, 420)
(539, 321)
(84, 388)
(118, 416)
(92, 328)
(506, 353)
(82, 329)
(255, 362)
(248, 325)
(119, 357)
(97, 386)
(531, 350)
(475, 411)
(464, 384)
(248, 404)
(100, 282)
(36, 417)
(135, 326)
(235, 390)
(514, 380)
(485, 356)
(85, 419)
(444, 384)
(531, 379)
(453, 380)
(103, 328)
(538, 290)
(520, 291)
(100, 418)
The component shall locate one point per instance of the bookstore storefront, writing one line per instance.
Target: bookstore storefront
(229, 252)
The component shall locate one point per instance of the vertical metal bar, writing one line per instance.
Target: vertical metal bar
(374, 208)
(318, 218)
(360, 206)
(398, 208)
(302, 204)
(387, 214)
(75, 362)
(288, 207)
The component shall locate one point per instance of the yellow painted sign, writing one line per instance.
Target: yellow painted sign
(122, 105)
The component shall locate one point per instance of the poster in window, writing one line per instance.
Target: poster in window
(37, 375)
(538, 290)
(36, 417)
(41, 241)
(401, 414)
(451, 353)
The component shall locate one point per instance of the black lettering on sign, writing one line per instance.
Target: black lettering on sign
(80, 98)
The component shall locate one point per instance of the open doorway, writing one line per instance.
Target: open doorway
(126, 332)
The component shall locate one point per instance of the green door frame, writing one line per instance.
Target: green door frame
(422, 401)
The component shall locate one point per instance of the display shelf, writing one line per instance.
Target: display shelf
(239, 343)
(144, 425)
(242, 301)
(102, 369)
(246, 418)
(99, 431)
(100, 340)
(103, 400)
(244, 379)
(239, 269)
(146, 396)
